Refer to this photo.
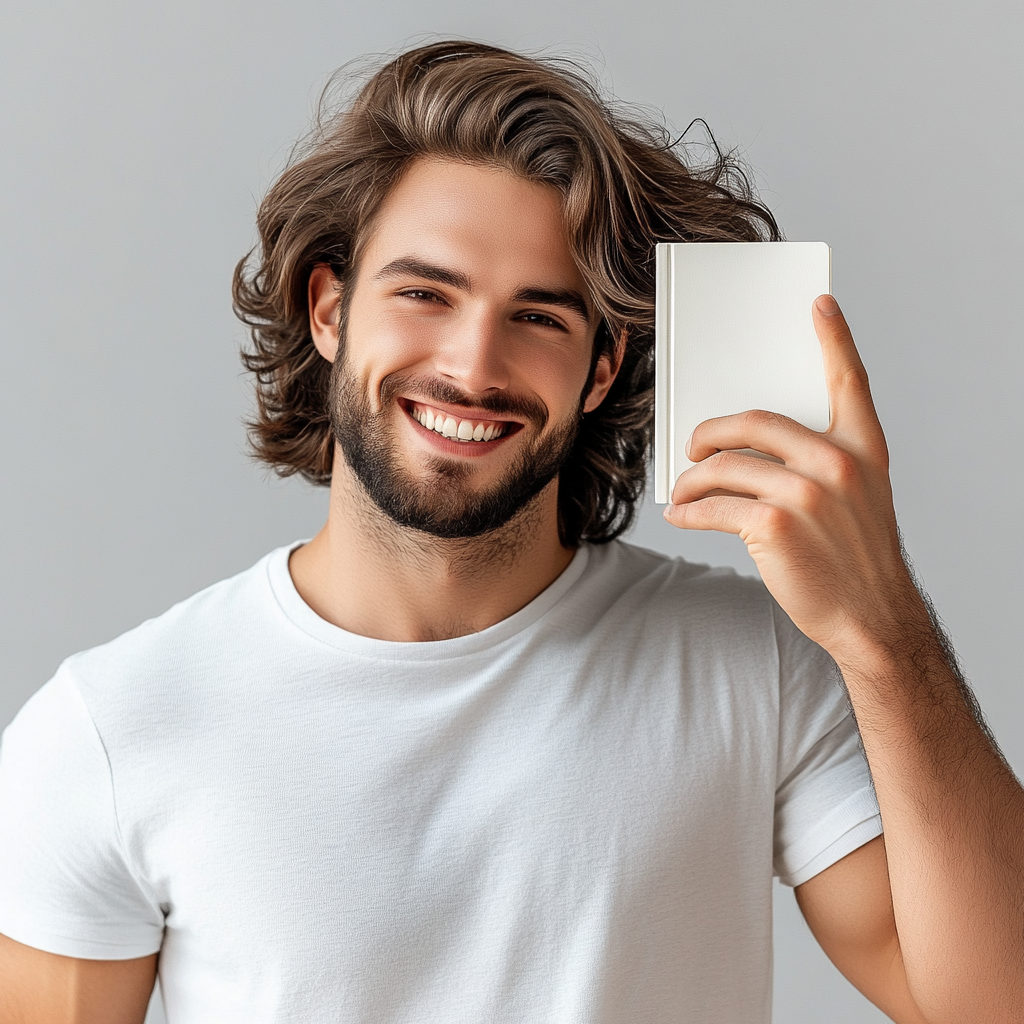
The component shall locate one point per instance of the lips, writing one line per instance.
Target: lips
(468, 430)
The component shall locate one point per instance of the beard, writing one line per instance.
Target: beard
(441, 500)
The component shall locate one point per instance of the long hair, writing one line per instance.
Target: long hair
(624, 186)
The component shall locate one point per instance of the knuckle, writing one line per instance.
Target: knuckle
(726, 460)
(855, 379)
(841, 469)
(761, 419)
(775, 521)
(809, 494)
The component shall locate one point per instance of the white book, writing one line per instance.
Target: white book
(733, 331)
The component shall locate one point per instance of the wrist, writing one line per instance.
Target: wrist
(896, 645)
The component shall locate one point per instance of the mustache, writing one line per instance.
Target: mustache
(501, 403)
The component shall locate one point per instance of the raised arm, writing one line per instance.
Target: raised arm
(822, 530)
(44, 988)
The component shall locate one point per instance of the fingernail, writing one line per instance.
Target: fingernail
(686, 447)
(827, 306)
(668, 508)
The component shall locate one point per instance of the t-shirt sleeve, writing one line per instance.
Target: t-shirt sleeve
(825, 804)
(66, 885)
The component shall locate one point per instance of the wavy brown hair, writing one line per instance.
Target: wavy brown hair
(624, 187)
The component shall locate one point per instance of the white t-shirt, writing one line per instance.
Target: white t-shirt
(569, 817)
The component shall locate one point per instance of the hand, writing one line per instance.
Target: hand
(821, 526)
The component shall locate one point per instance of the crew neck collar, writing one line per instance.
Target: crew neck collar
(307, 620)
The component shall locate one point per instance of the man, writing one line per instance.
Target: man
(463, 756)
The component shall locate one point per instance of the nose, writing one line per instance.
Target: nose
(475, 352)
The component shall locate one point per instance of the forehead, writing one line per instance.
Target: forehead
(484, 221)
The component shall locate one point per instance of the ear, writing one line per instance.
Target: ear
(607, 369)
(324, 309)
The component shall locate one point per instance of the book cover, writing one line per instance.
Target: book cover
(733, 332)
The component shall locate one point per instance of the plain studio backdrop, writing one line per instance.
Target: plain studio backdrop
(137, 139)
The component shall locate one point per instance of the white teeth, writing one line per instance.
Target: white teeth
(448, 426)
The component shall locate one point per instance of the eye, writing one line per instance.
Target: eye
(542, 320)
(420, 295)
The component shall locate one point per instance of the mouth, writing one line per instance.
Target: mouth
(467, 430)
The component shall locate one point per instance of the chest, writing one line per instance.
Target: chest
(427, 783)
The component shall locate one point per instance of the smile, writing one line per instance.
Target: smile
(468, 430)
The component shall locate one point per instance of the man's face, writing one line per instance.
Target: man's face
(466, 350)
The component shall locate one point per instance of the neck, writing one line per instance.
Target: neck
(368, 575)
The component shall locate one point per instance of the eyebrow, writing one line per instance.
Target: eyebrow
(568, 298)
(428, 271)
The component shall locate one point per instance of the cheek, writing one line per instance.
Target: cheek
(558, 383)
(558, 376)
(391, 346)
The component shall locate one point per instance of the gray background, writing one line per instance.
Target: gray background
(136, 139)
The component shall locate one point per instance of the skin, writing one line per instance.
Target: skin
(504, 236)
(361, 572)
(43, 988)
(945, 943)
(923, 938)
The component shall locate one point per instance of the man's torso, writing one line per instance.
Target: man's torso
(571, 816)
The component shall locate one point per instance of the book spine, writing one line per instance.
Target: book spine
(663, 372)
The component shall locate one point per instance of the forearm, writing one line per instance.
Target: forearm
(953, 816)
(821, 527)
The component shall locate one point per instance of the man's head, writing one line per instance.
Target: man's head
(465, 358)
(496, 136)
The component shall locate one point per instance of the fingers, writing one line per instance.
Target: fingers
(726, 513)
(804, 451)
(744, 475)
(767, 432)
(853, 413)
(854, 427)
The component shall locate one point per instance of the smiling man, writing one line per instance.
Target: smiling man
(464, 755)
(464, 361)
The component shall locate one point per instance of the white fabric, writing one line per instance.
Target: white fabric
(569, 817)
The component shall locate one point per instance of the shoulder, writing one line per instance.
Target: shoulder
(658, 583)
(228, 620)
(634, 599)
(714, 611)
